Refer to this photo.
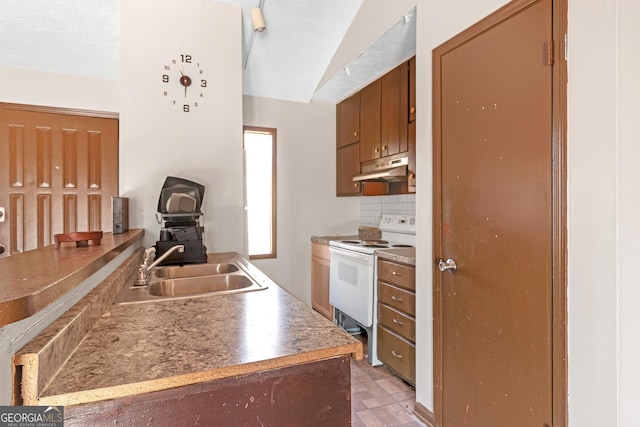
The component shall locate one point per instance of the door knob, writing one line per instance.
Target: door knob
(448, 265)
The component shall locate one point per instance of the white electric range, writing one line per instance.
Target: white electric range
(353, 275)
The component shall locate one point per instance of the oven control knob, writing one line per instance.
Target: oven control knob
(448, 265)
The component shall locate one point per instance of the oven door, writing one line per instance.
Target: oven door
(351, 284)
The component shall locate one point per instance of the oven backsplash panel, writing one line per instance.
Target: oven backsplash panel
(373, 207)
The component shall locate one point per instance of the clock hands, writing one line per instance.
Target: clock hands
(185, 81)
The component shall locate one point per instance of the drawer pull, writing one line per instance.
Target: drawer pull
(399, 356)
(395, 298)
(395, 273)
(397, 322)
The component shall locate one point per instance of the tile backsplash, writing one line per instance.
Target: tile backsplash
(372, 207)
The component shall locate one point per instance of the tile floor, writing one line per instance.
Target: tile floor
(379, 398)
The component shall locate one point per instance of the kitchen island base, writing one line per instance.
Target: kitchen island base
(309, 394)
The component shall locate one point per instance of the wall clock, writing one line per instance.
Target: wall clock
(184, 82)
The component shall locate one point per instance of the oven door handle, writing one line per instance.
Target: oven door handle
(349, 254)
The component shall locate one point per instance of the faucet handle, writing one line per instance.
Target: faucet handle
(149, 254)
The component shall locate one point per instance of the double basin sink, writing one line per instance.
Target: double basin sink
(174, 282)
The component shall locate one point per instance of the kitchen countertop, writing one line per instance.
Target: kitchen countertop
(34, 279)
(401, 255)
(324, 240)
(145, 347)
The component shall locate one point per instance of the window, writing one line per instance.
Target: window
(260, 181)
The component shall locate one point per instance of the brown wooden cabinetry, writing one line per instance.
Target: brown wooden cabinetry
(394, 111)
(348, 166)
(348, 121)
(377, 123)
(396, 318)
(320, 280)
(348, 147)
(412, 89)
(411, 180)
(370, 99)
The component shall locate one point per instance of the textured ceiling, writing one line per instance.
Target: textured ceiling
(287, 61)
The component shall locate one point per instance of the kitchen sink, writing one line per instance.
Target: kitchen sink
(193, 270)
(190, 281)
(200, 285)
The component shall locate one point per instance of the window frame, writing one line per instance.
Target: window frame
(274, 198)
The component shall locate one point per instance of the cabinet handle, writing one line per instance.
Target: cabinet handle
(376, 150)
(384, 147)
(399, 356)
(395, 298)
(395, 273)
(397, 322)
(355, 185)
(412, 110)
(355, 133)
(411, 176)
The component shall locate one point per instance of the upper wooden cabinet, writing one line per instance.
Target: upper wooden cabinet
(394, 111)
(412, 89)
(348, 121)
(374, 124)
(370, 107)
(348, 166)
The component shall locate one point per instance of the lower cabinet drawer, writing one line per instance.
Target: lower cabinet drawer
(396, 321)
(398, 354)
(397, 298)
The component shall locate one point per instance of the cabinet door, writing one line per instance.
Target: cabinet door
(412, 89)
(370, 122)
(320, 280)
(348, 121)
(394, 106)
(412, 157)
(348, 166)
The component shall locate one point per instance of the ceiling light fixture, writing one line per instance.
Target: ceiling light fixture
(257, 20)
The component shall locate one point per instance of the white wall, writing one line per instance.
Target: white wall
(307, 202)
(592, 213)
(628, 69)
(49, 89)
(603, 201)
(158, 139)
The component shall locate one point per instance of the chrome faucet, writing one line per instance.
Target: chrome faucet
(144, 272)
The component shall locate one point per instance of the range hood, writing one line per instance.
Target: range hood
(385, 170)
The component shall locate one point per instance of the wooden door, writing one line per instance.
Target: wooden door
(370, 122)
(394, 116)
(58, 172)
(493, 215)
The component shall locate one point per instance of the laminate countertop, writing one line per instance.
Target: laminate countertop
(401, 255)
(143, 347)
(34, 279)
(324, 240)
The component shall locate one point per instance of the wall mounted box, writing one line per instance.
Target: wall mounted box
(120, 214)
